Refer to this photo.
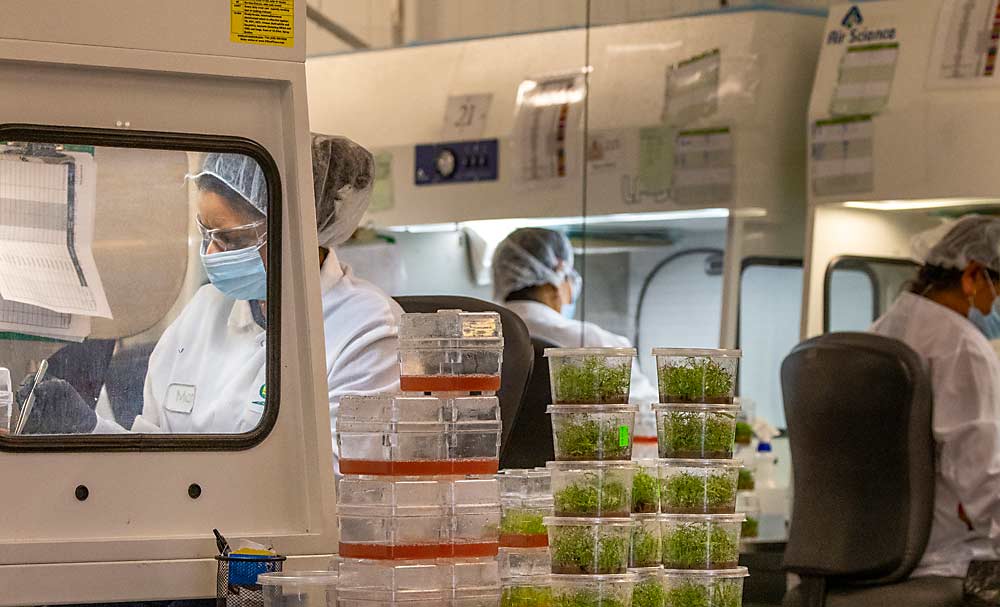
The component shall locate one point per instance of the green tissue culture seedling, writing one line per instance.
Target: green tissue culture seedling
(745, 481)
(593, 382)
(526, 596)
(645, 492)
(518, 521)
(695, 381)
(721, 593)
(573, 549)
(645, 548)
(695, 494)
(586, 598)
(590, 498)
(751, 527)
(696, 435)
(648, 593)
(695, 547)
(590, 439)
(744, 433)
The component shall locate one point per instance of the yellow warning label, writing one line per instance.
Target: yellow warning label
(270, 22)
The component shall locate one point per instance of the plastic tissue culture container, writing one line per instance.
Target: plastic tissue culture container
(700, 541)
(704, 588)
(646, 541)
(592, 590)
(696, 376)
(450, 351)
(588, 546)
(646, 487)
(526, 499)
(299, 588)
(592, 488)
(648, 590)
(696, 431)
(593, 432)
(698, 486)
(527, 591)
(420, 436)
(521, 562)
(431, 583)
(590, 376)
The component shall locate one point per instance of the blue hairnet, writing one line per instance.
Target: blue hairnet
(241, 174)
(529, 257)
(953, 245)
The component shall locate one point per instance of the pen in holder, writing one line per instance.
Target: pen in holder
(236, 582)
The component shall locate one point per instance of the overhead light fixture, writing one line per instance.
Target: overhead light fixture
(916, 205)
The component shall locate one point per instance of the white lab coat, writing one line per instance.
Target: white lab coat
(545, 323)
(207, 372)
(965, 379)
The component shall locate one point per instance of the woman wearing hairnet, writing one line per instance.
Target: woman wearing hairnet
(207, 372)
(947, 316)
(533, 276)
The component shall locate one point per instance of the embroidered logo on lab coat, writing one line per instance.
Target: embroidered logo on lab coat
(263, 396)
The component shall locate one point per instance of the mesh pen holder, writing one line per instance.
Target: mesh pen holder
(236, 582)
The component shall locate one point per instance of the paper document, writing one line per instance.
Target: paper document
(47, 213)
(547, 128)
(968, 38)
(692, 89)
(865, 79)
(841, 156)
(703, 166)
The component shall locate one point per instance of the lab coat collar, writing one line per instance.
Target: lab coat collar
(241, 317)
(538, 310)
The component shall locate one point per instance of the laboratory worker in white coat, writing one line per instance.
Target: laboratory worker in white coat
(948, 315)
(533, 276)
(207, 372)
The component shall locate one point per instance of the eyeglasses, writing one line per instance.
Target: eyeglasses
(231, 239)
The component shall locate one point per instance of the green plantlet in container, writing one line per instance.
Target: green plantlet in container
(696, 381)
(517, 521)
(751, 527)
(745, 481)
(648, 593)
(526, 596)
(687, 434)
(593, 382)
(692, 493)
(694, 547)
(645, 548)
(696, 594)
(592, 440)
(645, 492)
(586, 598)
(592, 499)
(572, 550)
(744, 433)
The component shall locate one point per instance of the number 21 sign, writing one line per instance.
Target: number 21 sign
(465, 116)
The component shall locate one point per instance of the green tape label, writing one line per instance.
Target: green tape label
(623, 436)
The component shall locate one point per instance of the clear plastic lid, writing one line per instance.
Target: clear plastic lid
(565, 466)
(646, 571)
(450, 324)
(737, 572)
(576, 352)
(527, 580)
(647, 516)
(701, 463)
(591, 409)
(579, 521)
(714, 353)
(699, 407)
(708, 518)
(299, 578)
(608, 578)
(418, 409)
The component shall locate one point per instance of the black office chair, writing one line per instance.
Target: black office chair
(530, 443)
(858, 410)
(517, 353)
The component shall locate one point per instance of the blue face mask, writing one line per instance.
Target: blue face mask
(238, 274)
(989, 324)
(576, 283)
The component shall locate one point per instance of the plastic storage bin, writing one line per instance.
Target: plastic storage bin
(696, 375)
(527, 591)
(396, 435)
(590, 376)
(588, 546)
(435, 581)
(592, 489)
(592, 432)
(696, 431)
(648, 590)
(592, 590)
(450, 351)
(526, 499)
(521, 562)
(646, 543)
(700, 541)
(646, 487)
(704, 588)
(698, 486)
(299, 589)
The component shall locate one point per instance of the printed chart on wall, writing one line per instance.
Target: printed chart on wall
(382, 192)
(966, 45)
(703, 166)
(49, 281)
(692, 90)
(865, 79)
(547, 128)
(841, 156)
(267, 22)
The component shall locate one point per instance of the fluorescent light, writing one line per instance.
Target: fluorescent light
(915, 205)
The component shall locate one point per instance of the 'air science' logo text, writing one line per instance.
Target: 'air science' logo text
(854, 33)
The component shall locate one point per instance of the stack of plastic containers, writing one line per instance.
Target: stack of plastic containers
(700, 530)
(590, 534)
(419, 503)
(526, 500)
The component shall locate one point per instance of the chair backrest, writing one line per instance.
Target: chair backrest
(530, 442)
(858, 411)
(517, 353)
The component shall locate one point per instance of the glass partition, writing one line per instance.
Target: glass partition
(860, 289)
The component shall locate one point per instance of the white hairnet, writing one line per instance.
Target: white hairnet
(530, 257)
(241, 173)
(343, 179)
(954, 244)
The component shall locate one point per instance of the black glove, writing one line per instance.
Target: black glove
(58, 408)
